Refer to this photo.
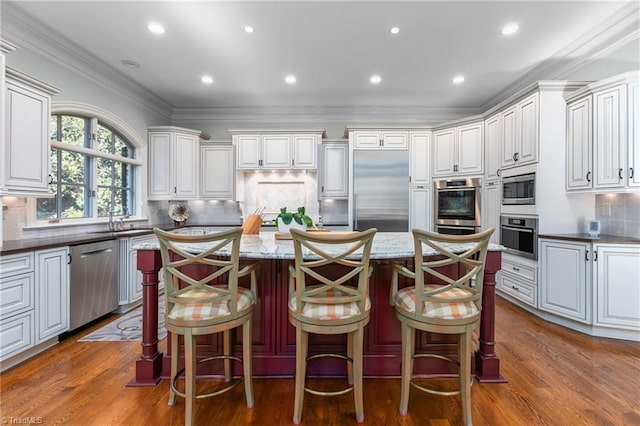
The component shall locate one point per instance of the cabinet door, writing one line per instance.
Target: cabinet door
(491, 207)
(527, 123)
(579, 143)
(160, 185)
(608, 138)
(492, 146)
(367, 140)
(217, 172)
(509, 136)
(27, 145)
(186, 166)
(276, 152)
(419, 158)
(444, 151)
(420, 203)
(617, 269)
(469, 149)
(565, 282)
(395, 140)
(52, 293)
(335, 168)
(305, 151)
(248, 151)
(633, 120)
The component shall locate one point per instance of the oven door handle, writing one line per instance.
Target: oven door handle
(466, 228)
(458, 188)
(513, 228)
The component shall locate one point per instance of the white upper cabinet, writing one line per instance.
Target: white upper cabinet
(458, 150)
(603, 124)
(277, 149)
(420, 208)
(217, 172)
(492, 147)
(520, 132)
(419, 143)
(380, 139)
(174, 163)
(334, 173)
(579, 159)
(27, 146)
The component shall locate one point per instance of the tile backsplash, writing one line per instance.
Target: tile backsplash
(619, 214)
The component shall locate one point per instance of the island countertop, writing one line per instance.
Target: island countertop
(386, 245)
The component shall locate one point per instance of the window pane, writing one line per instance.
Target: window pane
(53, 160)
(74, 130)
(73, 167)
(73, 201)
(104, 201)
(47, 208)
(121, 147)
(105, 172)
(53, 127)
(105, 140)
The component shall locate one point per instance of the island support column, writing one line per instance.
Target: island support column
(487, 362)
(149, 365)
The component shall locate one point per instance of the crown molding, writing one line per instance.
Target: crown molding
(417, 115)
(615, 32)
(26, 31)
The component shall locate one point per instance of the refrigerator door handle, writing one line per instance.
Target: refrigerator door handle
(355, 212)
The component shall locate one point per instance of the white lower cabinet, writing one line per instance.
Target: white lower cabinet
(617, 274)
(565, 279)
(52, 294)
(594, 284)
(518, 278)
(129, 278)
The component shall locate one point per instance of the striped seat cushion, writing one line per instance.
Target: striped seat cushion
(327, 312)
(191, 311)
(406, 299)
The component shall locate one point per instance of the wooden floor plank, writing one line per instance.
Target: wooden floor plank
(556, 377)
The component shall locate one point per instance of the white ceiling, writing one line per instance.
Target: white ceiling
(333, 47)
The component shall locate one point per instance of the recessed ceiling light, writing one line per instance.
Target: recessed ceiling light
(511, 28)
(156, 28)
(459, 79)
(130, 64)
(394, 30)
(207, 79)
(290, 79)
(249, 29)
(375, 79)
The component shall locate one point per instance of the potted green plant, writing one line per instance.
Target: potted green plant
(298, 220)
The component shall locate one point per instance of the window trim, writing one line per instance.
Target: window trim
(124, 129)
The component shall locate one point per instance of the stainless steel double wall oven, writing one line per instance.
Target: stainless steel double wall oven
(457, 206)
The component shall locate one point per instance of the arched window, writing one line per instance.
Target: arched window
(92, 168)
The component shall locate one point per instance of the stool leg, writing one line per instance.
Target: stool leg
(408, 342)
(246, 362)
(358, 343)
(350, 355)
(301, 371)
(226, 339)
(189, 375)
(175, 357)
(464, 355)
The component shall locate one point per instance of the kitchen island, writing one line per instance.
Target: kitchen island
(274, 338)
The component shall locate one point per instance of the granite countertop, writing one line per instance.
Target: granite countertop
(586, 238)
(386, 245)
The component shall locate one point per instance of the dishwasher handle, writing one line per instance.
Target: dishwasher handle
(95, 252)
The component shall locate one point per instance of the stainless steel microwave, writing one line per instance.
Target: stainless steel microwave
(519, 189)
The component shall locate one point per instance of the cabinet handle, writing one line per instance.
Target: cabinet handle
(586, 255)
(595, 255)
(516, 269)
(293, 162)
(498, 172)
(409, 179)
(589, 176)
(630, 172)
(69, 258)
(175, 189)
(50, 179)
(322, 190)
(515, 157)
(620, 174)
(515, 288)
(381, 142)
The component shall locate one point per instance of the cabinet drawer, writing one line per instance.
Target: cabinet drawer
(16, 294)
(520, 290)
(16, 334)
(16, 264)
(521, 270)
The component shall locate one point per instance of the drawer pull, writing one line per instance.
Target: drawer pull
(516, 269)
(515, 288)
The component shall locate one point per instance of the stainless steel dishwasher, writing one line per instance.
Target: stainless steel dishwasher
(94, 281)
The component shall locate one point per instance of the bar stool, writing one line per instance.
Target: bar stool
(452, 308)
(327, 305)
(203, 297)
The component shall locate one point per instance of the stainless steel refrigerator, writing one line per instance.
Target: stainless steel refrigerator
(381, 190)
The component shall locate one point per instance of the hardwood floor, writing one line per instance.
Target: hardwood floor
(556, 377)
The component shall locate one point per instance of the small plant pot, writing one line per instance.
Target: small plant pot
(285, 229)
